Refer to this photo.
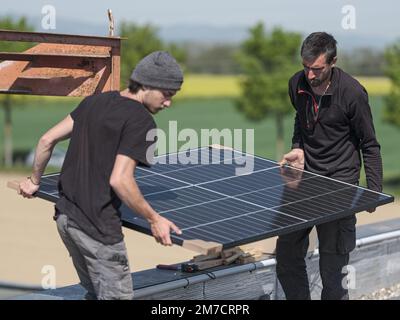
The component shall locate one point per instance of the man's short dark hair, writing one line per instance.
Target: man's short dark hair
(318, 43)
(134, 86)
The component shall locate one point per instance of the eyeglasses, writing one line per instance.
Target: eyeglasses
(314, 70)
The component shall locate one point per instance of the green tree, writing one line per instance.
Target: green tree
(392, 100)
(268, 60)
(139, 42)
(212, 59)
(362, 62)
(7, 100)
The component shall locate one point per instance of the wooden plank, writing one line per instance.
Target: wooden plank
(203, 247)
(252, 258)
(229, 252)
(209, 264)
(14, 184)
(236, 254)
(203, 257)
(232, 258)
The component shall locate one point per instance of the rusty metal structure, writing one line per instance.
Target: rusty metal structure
(60, 64)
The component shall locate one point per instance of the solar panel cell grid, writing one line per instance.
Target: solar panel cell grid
(209, 201)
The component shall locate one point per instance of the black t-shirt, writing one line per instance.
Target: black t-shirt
(105, 125)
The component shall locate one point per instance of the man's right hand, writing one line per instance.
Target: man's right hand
(294, 158)
(124, 185)
(27, 188)
(161, 228)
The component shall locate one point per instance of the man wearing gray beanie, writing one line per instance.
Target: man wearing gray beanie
(107, 134)
(159, 70)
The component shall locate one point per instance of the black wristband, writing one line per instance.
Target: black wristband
(36, 184)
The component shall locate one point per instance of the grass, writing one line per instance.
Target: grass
(375, 85)
(35, 116)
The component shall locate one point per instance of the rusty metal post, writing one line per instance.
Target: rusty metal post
(110, 23)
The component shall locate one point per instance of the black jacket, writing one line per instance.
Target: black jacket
(333, 137)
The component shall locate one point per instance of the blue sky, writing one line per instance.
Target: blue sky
(373, 19)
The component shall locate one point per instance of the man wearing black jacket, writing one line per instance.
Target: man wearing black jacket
(333, 127)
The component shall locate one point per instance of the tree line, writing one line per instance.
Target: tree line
(266, 60)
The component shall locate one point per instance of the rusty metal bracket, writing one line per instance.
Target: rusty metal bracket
(60, 64)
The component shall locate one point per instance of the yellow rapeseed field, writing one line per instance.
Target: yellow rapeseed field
(375, 85)
(219, 86)
(210, 86)
(228, 86)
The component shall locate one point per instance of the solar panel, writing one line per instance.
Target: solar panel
(210, 196)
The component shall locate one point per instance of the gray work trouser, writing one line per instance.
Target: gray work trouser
(102, 269)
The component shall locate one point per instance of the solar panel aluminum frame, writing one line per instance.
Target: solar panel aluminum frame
(49, 182)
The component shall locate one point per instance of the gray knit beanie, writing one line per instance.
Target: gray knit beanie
(158, 70)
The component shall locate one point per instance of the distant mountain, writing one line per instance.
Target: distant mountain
(204, 33)
(207, 34)
(70, 26)
(235, 34)
(348, 41)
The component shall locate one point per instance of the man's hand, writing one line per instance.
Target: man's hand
(124, 184)
(291, 177)
(294, 158)
(160, 229)
(27, 188)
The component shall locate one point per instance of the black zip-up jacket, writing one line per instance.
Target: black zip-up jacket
(333, 135)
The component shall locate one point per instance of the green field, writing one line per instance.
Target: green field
(205, 102)
(228, 86)
(33, 119)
